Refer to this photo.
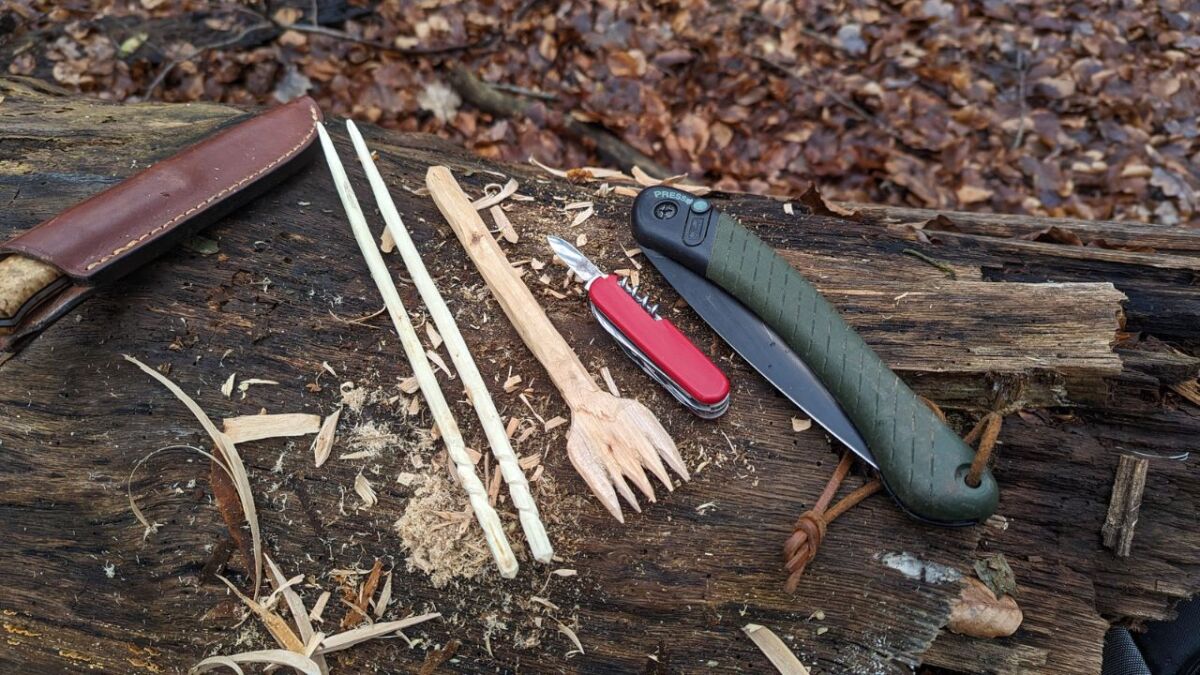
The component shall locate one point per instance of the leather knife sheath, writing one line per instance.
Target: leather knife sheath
(109, 235)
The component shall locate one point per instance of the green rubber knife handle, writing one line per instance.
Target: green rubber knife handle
(922, 462)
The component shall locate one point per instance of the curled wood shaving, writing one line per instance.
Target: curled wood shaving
(232, 464)
(151, 528)
(491, 200)
(350, 638)
(565, 630)
(553, 172)
(258, 427)
(323, 443)
(544, 602)
(278, 657)
(775, 650)
(367, 493)
(245, 385)
(504, 224)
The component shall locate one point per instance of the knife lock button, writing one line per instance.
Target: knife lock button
(696, 228)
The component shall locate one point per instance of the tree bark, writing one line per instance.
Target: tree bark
(1023, 324)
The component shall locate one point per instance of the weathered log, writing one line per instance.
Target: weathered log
(670, 589)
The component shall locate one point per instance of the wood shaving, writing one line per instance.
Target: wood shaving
(537, 265)
(507, 231)
(385, 597)
(581, 240)
(245, 385)
(437, 361)
(787, 208)
(442, 549)
(296, 607)
(626, 191)
(279, 657)
(801, 424)
(275, 625)
(502, 193)
(544, 602)
(564, 572)
(231, 464)
(512, 384)
(565, 630)
(582, 216)
(574, 206)
(323, 443)
(775, 650)
(360, 601)
(349, 638)
(554, 422)
(249, 428)
(608, 381)
(435, 338)
(227, 388)
(365, 492)
(319, 606)
(530, 461)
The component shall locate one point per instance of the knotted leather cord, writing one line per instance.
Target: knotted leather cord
(809, 530)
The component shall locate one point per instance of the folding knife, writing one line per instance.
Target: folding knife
(652, 342)
(779, 323)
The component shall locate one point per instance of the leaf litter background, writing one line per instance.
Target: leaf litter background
(1083, 109)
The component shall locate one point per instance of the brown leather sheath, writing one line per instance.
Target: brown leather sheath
(116, 231)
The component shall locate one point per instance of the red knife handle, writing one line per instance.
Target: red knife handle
(660, 341)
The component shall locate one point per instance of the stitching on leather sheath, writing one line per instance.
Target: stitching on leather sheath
(132, 244)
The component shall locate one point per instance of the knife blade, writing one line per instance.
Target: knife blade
(921, 462)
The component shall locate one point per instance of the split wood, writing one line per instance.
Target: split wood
(610, 439)
(485, 408)
(1124, 504)
(493, 531)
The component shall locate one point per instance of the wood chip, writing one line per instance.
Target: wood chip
(503, 193)
(323, 443)
(249, 428)
(365, 492)
(787, 208)
(409, 385)
(386, 243)
(801, 424)
(227, 388)
(512, 384)
(1124, 504)
(775, 650)
(536, 264)
(513, 424)
(554, 422)
(581, 240)
(530, 461)
(507, 231)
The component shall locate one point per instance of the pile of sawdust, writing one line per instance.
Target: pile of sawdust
(440, 533)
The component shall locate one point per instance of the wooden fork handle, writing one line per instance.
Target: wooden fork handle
(522, 309)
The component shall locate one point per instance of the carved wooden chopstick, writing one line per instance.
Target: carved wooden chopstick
(493, 531)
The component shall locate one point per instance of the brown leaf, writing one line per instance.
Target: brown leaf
(978, 613)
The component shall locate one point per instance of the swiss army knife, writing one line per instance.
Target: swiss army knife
(782, 326)
(653, 342)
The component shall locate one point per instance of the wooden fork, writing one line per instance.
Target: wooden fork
(611, 439)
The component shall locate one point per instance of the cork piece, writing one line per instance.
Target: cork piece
(20, 279)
